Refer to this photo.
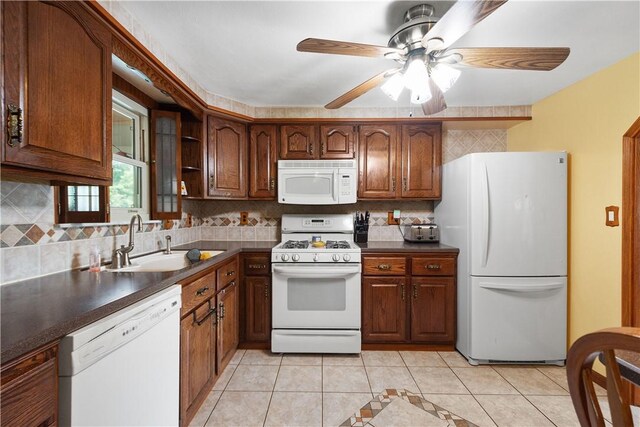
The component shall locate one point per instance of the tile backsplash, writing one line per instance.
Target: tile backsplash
(32, 245)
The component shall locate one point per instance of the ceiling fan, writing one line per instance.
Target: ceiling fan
(426, 63)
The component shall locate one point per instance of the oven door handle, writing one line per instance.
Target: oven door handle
(314, 273)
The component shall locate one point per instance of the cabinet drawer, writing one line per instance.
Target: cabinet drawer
(377, 266)
(197, 292)
(431, 266)
(256, 265)
(227, 274)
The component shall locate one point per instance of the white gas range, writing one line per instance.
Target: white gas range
(316, 289)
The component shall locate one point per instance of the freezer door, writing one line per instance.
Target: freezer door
(518, 319)
(518, 214)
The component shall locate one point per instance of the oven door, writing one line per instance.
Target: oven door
(307, 187)
(316, 296)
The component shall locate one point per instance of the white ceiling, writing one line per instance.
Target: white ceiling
(246, 50)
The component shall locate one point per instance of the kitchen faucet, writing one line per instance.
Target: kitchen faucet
(121, 256)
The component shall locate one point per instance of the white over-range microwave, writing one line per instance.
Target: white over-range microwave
(317, 182)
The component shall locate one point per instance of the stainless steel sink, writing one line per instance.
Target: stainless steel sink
(159, 261)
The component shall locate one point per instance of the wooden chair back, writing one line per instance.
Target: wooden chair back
(580, 360)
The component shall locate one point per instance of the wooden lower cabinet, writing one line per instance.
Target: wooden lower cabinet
(209, 334)
(256, 299)
(29, 391)
(409, 299)
(384, 309)
(257, 308)
(197, 358)
(228, 324)
(432, 314)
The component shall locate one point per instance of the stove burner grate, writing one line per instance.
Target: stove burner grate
(295, 244)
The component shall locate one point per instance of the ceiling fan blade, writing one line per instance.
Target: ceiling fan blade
(512, 58)
(462, 16)
(360, 90)
(436, 103)
(346, 48)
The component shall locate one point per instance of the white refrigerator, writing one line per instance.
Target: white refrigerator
(507, 213)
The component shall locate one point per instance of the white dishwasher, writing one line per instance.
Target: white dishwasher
(123, 370)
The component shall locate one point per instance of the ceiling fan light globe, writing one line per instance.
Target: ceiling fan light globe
(421, 96)
(416, 75)
(393, 86)
(444, 76)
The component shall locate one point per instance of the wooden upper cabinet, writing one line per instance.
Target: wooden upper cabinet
(421, 160)
(377, 162)
(166, 165)
(263, 162)
(337, 142)
(298, 142)
(227, 159)
(57, 88)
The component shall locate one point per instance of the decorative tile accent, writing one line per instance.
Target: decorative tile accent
(457, 143)
(369, 411)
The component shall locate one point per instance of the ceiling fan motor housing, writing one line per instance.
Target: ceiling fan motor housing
(417, 22)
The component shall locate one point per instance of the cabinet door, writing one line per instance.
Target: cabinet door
(377, 159)
(433, 309)
(262, 162)
(197, 359)
(227, 145)
(29, 393)
(258, 308)
(166, 165)
(57, 81)
(228, 324)
(384, 309)
(298, 142)
(421, 160)
(337, 142)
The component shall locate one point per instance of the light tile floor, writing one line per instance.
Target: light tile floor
(264, 389)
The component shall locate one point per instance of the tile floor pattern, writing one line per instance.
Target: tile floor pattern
(259, 388)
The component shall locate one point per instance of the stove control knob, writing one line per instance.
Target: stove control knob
(284, 257)
(335, 257)
(295, 257)
(346, 257)
(316, 257)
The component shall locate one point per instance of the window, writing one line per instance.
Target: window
(129, 194)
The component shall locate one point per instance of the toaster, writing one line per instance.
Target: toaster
(428, 233)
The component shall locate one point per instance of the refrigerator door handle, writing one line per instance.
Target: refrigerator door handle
(486, 215)
(521, 288)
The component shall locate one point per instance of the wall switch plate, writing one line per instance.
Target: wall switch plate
(612, 219)
(390, 219)
(244, 218)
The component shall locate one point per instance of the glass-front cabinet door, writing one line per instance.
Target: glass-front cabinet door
(165, 165)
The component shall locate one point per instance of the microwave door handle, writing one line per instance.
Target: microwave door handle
(336, 181)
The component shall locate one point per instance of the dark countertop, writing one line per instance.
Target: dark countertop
(40, 310)
(403, 246)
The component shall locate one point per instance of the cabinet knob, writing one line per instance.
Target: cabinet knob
(202, 291)
(384, 266)
(230, 273)
(433, 266)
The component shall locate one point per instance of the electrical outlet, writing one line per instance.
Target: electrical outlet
(390, 219)
(244, 218)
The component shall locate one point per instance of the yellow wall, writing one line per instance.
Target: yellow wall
(588, 120)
